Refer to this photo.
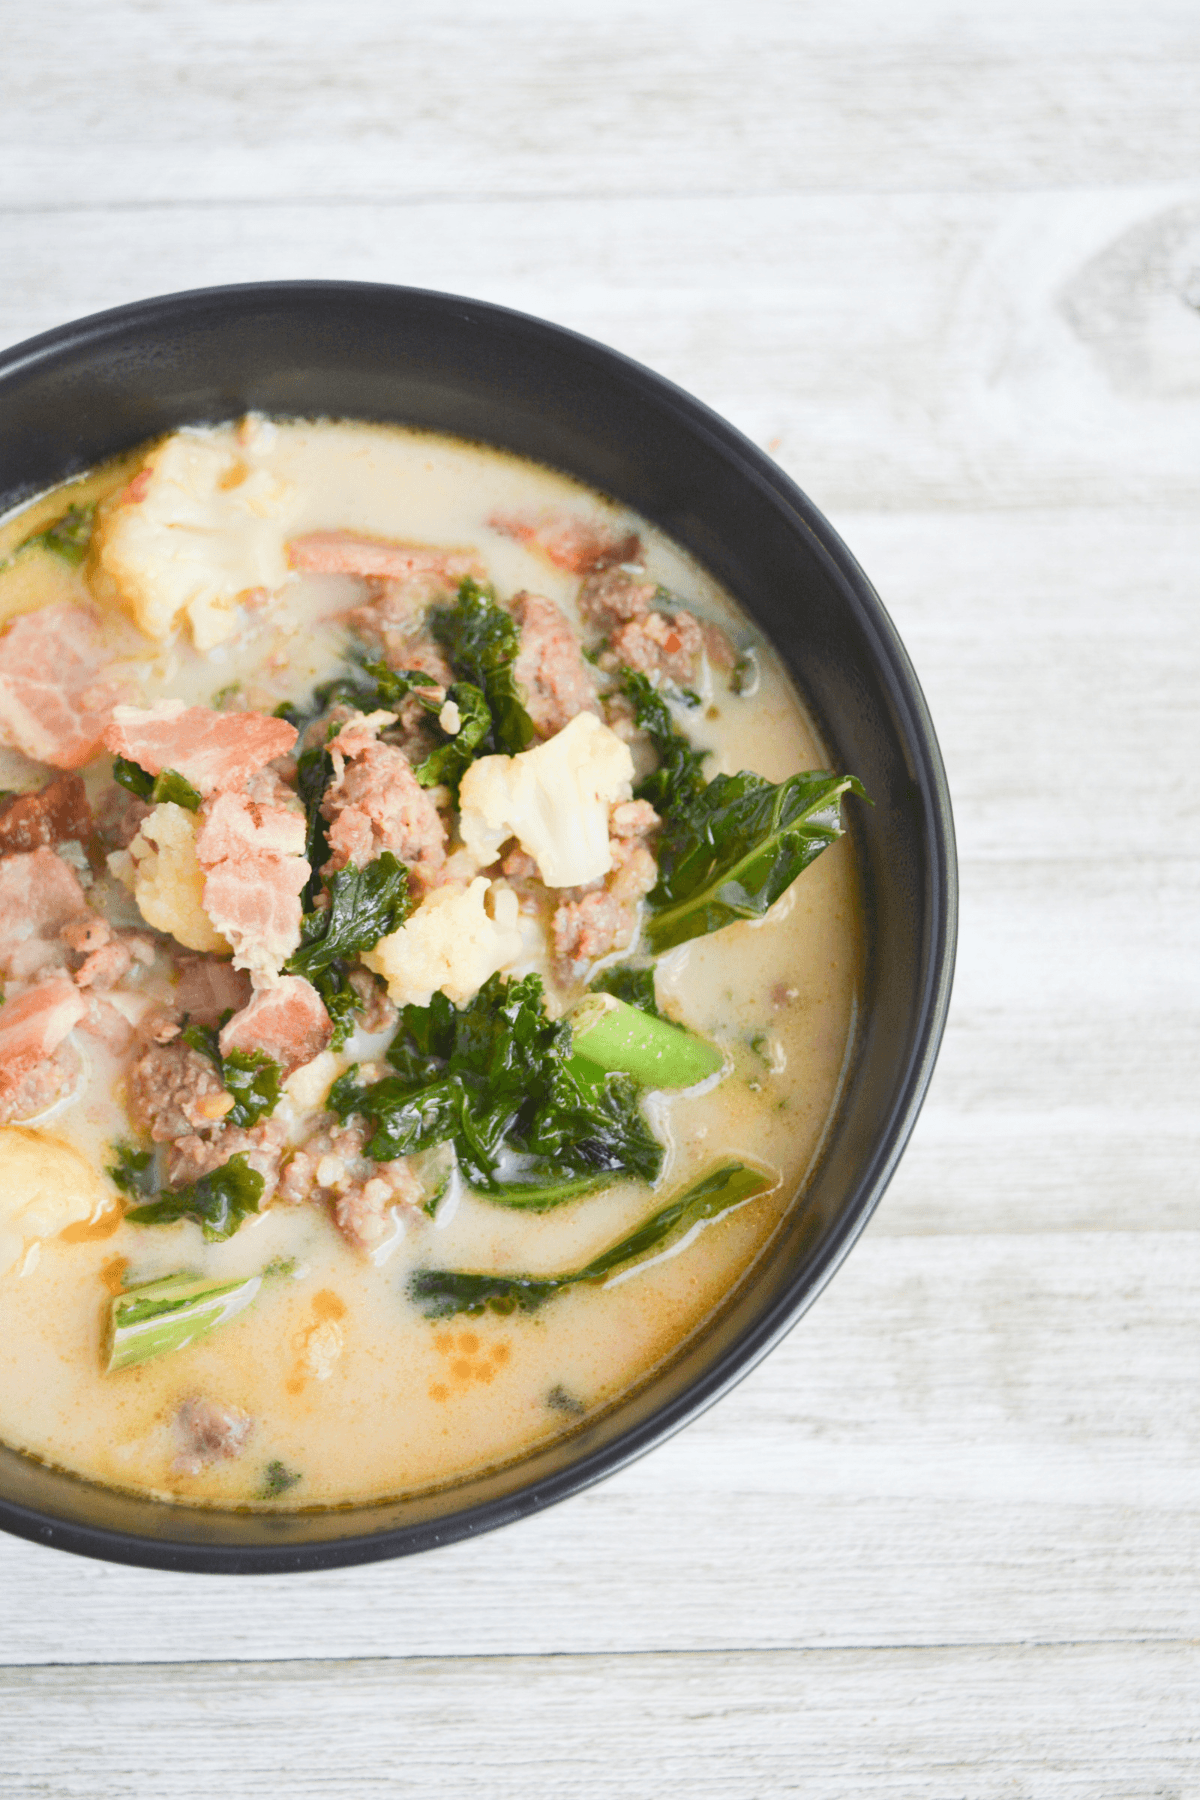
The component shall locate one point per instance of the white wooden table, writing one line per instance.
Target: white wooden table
(945, 263)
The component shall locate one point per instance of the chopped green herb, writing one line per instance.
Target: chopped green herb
(558, 1400)
(280, 1266)
(481, 641)
(532, 1124)
(218, 1202)
(229, 692)
(277, 1480)
(447, 1291)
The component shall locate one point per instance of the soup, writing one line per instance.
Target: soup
(416, 1021)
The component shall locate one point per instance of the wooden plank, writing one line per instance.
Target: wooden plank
(154, 101)
(976, 1439)
(1113, 1724)
(1033, 350)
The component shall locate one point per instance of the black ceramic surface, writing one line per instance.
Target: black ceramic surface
(75, 396)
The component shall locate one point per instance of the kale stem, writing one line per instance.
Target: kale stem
(169, 1314)
(626, 1040)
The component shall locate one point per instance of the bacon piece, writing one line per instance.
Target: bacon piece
(254, 867)
(32, 1027)
(554, 680)
(212, 750)
(579, 545)
(209, 1431)
(288, 1022)
(375, 803)
(54, 706)
(39, 894)
(31, 821)
(348, 553)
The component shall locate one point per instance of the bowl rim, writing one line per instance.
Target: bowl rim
(913, 724)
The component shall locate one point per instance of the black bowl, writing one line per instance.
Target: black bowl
(80, 394)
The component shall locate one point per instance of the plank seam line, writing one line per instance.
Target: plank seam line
(703, 1651)
(1169, 192)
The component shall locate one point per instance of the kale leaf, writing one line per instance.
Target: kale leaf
(218, 1202)
(131, 1172)
(679, 777)
(364, 906)
(733, 850)
(170, 785)
(449, 1291)
(251, 1076)
(729, 847)
(450, 761)
(532, 1125)
(481, 641)
(631, 983)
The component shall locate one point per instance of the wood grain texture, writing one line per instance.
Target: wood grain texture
(947, 1449)
(945, 265)
(913, 351)
(264, 101)
(1038, 1722)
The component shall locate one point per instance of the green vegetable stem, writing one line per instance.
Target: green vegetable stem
(166, 1315)
(444, 1292)
(628, 1041)
(170, 785)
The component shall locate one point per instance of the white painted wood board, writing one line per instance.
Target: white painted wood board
(945, 264)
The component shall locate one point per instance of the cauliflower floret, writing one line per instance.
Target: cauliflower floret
(554, 800)
(45, 1185)
(200, 526)
(161, 870)
(449, 943)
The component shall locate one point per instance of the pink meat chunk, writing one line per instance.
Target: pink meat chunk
(54, 703)
(32, 821)
(554, 680)
(664, 644)
(254, 868)
(262, 1145)
(209, 986)
(173, 1090)
(287, 1022)
(579, 545)
(39, 895)
(589, 922)
(209, 1431)
(375, 803)
(212, 750)
(347, 553)
(332, 1169)
(611, 597)
(33, 1025)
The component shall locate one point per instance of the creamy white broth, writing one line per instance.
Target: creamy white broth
(407, 1403)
